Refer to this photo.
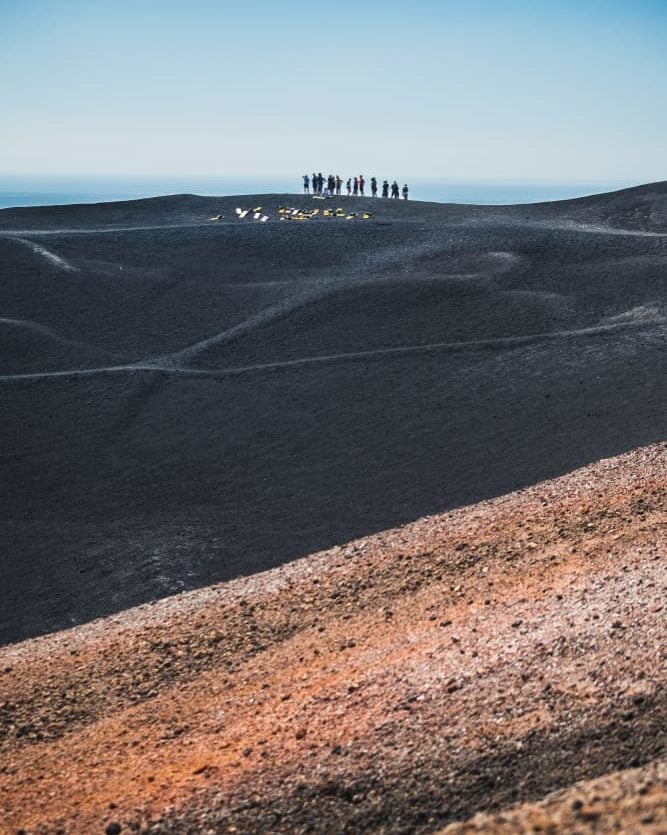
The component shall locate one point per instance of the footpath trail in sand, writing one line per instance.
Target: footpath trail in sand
(464, 663)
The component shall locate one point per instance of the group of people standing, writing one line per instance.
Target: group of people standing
(331, 186)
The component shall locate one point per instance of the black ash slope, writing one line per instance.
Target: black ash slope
(187, 400)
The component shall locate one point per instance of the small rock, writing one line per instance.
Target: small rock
(113, 828)
(589, 813)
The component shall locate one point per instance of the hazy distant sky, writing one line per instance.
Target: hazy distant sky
(512, 89)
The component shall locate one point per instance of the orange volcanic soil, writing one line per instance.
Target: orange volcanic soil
(465, 663)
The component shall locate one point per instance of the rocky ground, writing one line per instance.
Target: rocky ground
(634, 800)
(463, 664)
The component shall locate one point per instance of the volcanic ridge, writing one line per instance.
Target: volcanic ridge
(386, 490)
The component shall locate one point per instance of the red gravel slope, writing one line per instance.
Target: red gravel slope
(467, 662)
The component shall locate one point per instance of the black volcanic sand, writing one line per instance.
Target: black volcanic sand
(185, 401)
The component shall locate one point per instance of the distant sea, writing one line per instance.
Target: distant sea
(50, 191)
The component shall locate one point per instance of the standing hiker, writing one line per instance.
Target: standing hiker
(355, 189)
(394, 190)
(306, 184)
(362, 183)
(348, 186)
(385, 189)
(374, 187)
(405, 191)
(339, 183)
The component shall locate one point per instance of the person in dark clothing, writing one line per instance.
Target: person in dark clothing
(394, 190)
(339, 183)
(405, 191)
(331, 184)
(362, 183)
(385, 189)
(306, 184)
(348, 186)
(374, 187)
(314, 183)
(355, 189)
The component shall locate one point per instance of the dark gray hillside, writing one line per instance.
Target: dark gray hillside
(187, 400)
(640, 209)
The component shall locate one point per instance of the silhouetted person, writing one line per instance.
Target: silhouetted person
(314, 182)
(405, 191)
(339, 183)
(306, 184)
(374, 187)
(320, 183)
(385, 189)
(362, 183)
(394, 190)
(348, 186)
(355, 189)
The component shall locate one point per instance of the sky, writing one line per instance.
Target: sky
(553, 90)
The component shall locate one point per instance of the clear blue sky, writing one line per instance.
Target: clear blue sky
(559, 90)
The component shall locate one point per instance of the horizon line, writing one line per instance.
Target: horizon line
(297, 175)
